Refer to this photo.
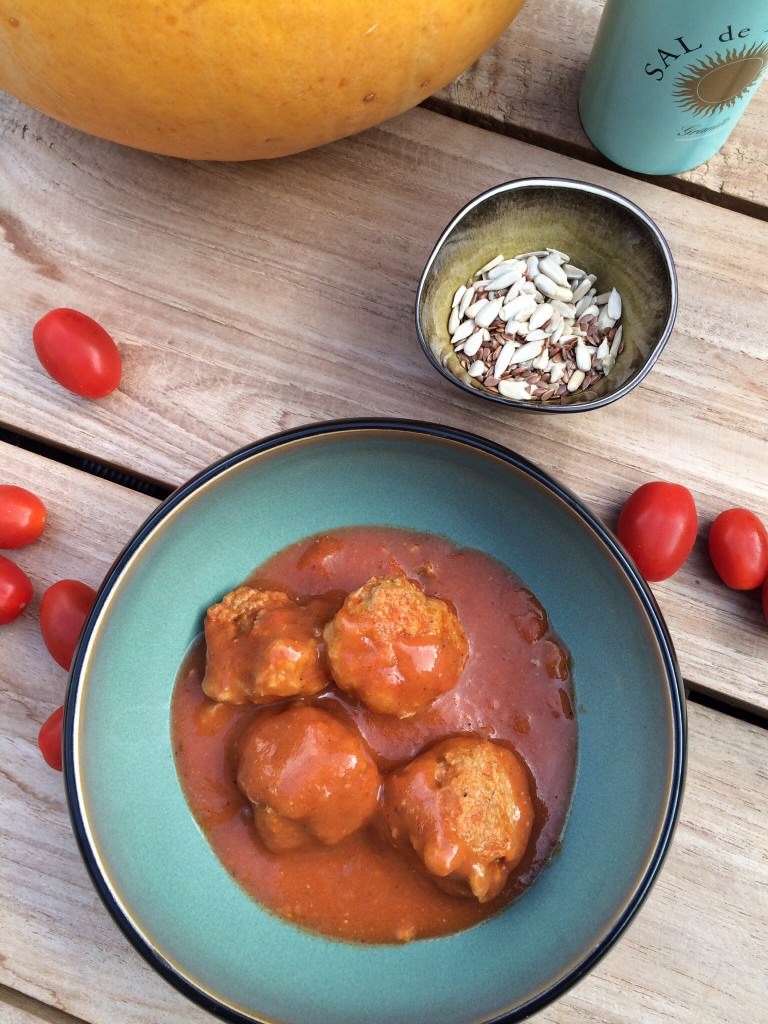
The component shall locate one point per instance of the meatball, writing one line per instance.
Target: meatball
(465, 807)
(394, 648)
(308, 776)
(262, 646)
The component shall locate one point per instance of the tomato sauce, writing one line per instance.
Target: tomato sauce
(515, 688)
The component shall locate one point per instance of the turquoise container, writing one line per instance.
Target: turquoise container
(668, 79)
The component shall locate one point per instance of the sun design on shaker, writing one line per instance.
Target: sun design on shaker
(718, 81)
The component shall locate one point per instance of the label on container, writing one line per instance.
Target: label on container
(660, 77)
(710, 81)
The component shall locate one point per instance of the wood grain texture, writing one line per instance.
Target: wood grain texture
(16, 1008)
(251, 298)
(695, 954)
(528, 83)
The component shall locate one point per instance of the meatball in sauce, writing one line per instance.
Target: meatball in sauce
(262, 646)
(464, 806)
(308, 776)
(394, 647)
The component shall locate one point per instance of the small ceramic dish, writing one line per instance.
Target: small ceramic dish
(600, 232)
(152, 864)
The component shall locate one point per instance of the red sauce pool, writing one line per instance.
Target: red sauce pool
(515, 688)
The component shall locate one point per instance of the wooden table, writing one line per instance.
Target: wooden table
(250, 298)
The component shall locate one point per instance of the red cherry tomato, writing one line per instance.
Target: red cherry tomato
(738, 547)
(22, 516)
(15, 590)
(64, 607)
(49, 739)
(657, 526)
(77, 352)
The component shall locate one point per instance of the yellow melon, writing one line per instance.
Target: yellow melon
(237, 79)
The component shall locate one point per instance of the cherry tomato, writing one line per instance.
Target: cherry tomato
(64, 607)
(77, 352)
(657, 526)
(738, 547)
(22, 516)
(15, 590)
(49, 739)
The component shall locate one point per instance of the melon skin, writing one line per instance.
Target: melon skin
(233, 79)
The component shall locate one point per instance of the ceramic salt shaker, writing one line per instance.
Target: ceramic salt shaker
(668, 79)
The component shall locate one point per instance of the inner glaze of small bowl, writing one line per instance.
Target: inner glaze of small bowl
(602, 233)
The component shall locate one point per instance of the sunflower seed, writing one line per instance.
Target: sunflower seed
(545, 285)
(489, 312)
(520, 308)
(572, 272)
(515, 389)
(552, 269)
(540, 316)
(530, 350)
(505, 280)
(556, 372)
(465, 328)
(566, 309)
(504, 268)
(474, 308)
(466, 299)
(503, 359)
(532, 264)
(489, 265)
(513, 327)
(514, 290)
(472, 345)
(590, 310)
(616, 343)
(581, 289)
(605, 320)
(583, 356)
(542, 361)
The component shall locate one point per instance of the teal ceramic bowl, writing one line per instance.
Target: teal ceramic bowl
(154, 868)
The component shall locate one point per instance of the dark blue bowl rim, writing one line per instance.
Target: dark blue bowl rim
(406, 426)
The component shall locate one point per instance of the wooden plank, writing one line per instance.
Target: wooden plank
(16, 1008)
(705, 917)
(51, 916)
(694, 954)
(528, 83)
(251, 298)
